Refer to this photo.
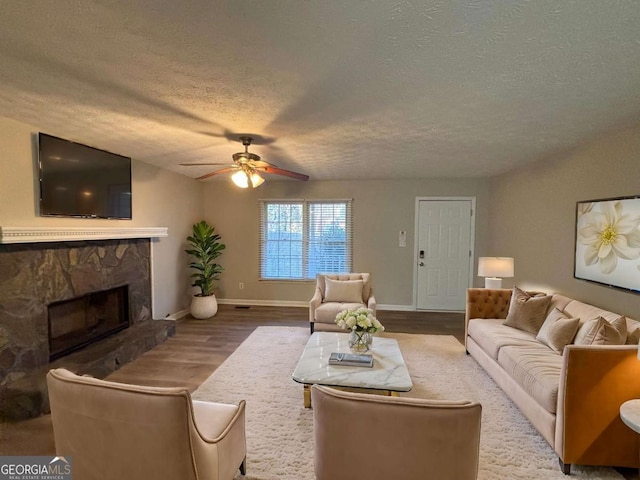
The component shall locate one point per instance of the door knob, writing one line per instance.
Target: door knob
(421, 264)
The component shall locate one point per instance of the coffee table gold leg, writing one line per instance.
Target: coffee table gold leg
(307, 396)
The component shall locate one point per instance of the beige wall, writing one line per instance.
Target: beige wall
(165, 199)
(532, 219)
(533, 215)
(160, 199)
(381, 209)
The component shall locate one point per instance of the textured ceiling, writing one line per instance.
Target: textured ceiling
(336, 89)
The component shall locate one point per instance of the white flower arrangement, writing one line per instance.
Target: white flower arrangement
(359, 319)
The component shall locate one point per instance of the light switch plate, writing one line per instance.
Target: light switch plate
(402, 239)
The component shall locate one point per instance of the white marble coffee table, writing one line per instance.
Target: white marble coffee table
(389, 374)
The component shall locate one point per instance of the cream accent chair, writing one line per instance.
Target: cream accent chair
(329, 298)
(128, 432)
(359, 435)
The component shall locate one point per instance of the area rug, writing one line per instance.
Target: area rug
(280, 430)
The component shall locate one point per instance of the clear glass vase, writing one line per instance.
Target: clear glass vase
(360, 341)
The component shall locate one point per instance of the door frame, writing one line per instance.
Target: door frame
(416, 228)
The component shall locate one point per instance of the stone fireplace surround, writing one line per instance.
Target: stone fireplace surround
(39, 266)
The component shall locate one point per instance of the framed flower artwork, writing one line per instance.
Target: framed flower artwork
(608, 242)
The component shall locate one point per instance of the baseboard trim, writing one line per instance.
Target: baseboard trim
(297, 303)
(290, 303)
(396, 308)
(411, 308)
(441, 311)
(263, 303)
(177, 315)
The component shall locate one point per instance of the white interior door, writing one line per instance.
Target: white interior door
(443, 253)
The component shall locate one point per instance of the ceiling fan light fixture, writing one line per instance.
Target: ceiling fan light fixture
(256, 179)
(246, 166)
(240, 179)
(245, 157)
(244, 179)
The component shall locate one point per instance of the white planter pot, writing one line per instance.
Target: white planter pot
(203, 307)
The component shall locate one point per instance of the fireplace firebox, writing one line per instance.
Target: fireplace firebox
(80, 321)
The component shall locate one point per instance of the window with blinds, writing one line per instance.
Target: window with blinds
(301, 238)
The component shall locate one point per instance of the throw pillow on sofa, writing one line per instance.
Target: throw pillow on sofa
(600, 332)
(633, 335)
(349, 291)
(558, 330)
(527, 312)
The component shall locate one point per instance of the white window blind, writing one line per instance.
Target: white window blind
(301, 238)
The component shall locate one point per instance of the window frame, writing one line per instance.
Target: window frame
(306, 205)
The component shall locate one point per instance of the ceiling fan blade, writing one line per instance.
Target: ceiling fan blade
(260, 164)
(198, 164)
(284, 173)
(217, 172)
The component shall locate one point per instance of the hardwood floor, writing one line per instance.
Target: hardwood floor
(201, 346)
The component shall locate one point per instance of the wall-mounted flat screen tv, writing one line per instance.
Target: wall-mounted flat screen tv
(81, 181)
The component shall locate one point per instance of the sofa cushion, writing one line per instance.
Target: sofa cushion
(326, 312)
(536, 369)
(491, 335)
(558, 330)
(343, 290)
(586, 312)
(527, 312)
(598, 331)
(560, 302)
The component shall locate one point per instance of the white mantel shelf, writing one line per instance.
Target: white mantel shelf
(70, 234)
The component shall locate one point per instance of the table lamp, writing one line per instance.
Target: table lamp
(494, 269)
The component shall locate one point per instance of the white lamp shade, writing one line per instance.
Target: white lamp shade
(500, 267)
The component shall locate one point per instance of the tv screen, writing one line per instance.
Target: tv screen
(81, 181)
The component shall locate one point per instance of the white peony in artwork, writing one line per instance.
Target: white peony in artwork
(608, 242)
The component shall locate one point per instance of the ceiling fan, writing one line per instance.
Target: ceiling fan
(248, 168)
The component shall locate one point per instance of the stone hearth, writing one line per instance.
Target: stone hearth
(34, 275)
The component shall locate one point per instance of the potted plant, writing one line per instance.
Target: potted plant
(205, 248)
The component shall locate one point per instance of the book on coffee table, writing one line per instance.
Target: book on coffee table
(351, 359)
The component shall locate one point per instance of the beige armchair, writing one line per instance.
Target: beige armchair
(112, 430)
(337, 292)
(360, 435)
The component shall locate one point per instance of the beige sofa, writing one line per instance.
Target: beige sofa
(573, 398)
